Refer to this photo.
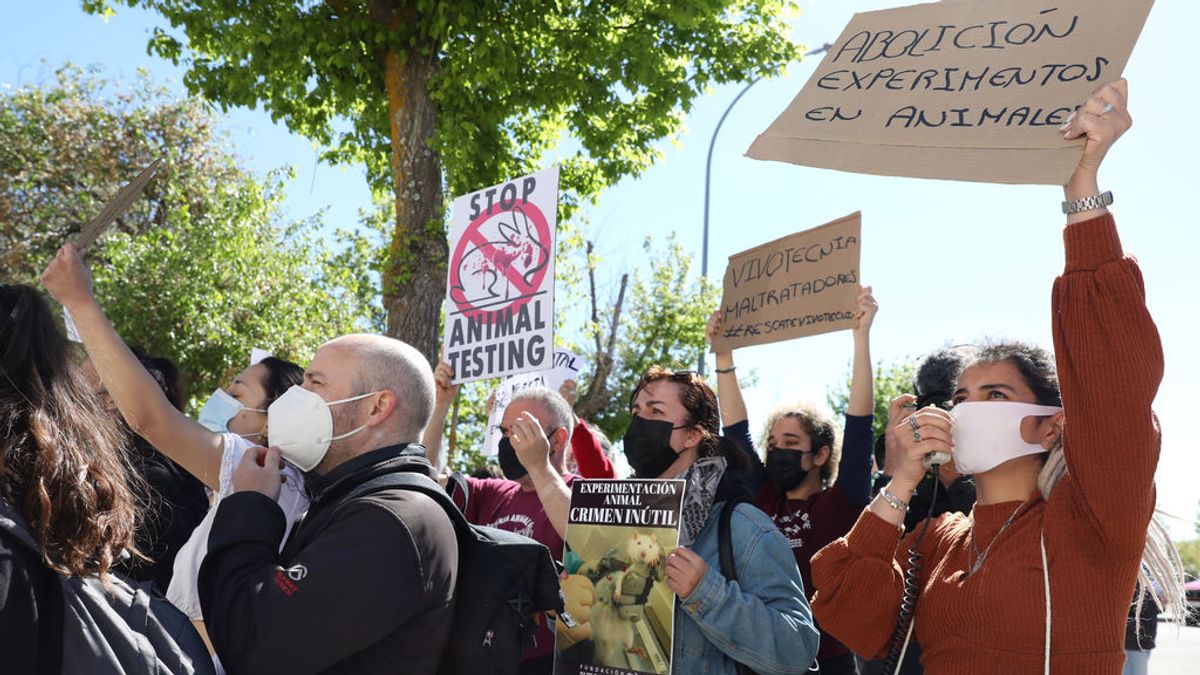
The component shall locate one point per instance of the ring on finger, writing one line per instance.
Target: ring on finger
(1108, 107)
(912, 422)
(916, 435)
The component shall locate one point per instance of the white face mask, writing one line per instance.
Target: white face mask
(302, 426)
(988, 433)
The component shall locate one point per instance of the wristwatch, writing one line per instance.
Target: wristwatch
(1088, 203)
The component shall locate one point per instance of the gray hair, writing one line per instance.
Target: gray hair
(557, 410)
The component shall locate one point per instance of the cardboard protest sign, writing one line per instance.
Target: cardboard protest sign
(619, 533)
(567, 366)
(802, 284)
(500, 282)
(960, 89)
(113, 209)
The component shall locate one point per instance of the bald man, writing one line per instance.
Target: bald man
(364, 584)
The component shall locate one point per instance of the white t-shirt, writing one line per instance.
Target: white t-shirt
(184, 591)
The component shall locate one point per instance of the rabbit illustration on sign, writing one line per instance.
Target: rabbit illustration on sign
(486, 272)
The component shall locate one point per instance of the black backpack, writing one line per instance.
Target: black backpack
(504, 579)
(119, 627)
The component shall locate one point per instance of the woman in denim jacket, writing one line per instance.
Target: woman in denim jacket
(762, 620)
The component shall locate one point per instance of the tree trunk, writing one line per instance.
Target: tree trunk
(414, 279)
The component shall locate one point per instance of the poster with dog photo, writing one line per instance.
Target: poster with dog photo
(619, 533)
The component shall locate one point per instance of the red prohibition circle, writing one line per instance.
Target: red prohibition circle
(473, 236)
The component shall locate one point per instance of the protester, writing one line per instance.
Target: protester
(1065, 482)
(365, 582)
(762, 620)
(512, 503)
(63, 475)
(176, 500)
(813, 484)
(232, 421)
(584, 454)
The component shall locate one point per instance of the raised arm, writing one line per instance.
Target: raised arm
(734, 417)
(1109, 354)
(729, 391)
(589, 453)
(858, 440)
(133, 390)
(444, 392)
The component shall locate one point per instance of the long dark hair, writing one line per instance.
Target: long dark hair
(62, 458)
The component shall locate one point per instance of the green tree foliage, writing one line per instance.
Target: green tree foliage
(202, 268)
(662, 324)
(427, 93)
(1189, 552)
(891, 380)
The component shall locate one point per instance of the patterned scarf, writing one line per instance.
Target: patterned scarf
(702, 480)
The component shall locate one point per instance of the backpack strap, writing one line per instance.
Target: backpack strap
(414, 482)
(725, 552)
(456, 483)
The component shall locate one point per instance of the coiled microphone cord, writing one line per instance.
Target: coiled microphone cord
(912, 591)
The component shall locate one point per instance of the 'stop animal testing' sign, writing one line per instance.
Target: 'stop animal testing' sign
(960, 90)
(500, 286)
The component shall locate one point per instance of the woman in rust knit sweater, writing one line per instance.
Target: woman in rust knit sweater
(984, 604)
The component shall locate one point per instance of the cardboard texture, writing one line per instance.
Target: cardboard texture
(114, 208)
(958, 90)
(802, 284)
(500, 280)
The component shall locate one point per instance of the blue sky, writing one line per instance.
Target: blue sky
(949, 261)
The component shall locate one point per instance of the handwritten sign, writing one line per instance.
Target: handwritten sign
(567, 366)
(803, 284)
(960, 90)
(500, 285)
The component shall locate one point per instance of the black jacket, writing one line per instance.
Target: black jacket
(31, 611)
(362, 586)
(177, 504)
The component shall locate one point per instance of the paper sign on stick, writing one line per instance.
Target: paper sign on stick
(113, 209)
(619, 533)
(960, 89)
(500, 285)
(803, 284)
(567, 366)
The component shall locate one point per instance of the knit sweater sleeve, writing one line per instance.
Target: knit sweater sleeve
(859, 580)
(1110, 363)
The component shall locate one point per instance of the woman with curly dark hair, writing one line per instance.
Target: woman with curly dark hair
(63, 476)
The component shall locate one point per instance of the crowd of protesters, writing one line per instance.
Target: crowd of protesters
(1001, 525)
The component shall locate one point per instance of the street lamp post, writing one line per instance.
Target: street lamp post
(708, 174)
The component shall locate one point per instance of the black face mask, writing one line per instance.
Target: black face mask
(783, 468)
(511, 466)
(648, 447)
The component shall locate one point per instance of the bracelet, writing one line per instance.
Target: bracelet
(1088, 203)
(894, 501)
(722, 371)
